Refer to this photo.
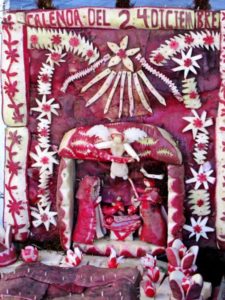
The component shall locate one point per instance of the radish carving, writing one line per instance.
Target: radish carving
(181, 259)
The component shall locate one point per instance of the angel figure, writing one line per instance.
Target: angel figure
(118, 143)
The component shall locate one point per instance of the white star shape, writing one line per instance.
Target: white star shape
(202, 177)
(55, 56)
(197, 123)
(43, 216)
(198, 228)
(121, 54)
(44, 159)
(46, 108)
(187, 63)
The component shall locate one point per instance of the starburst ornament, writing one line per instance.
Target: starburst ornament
(46, 108)
(44, 159)
(122, 54)
(202, 177)
(55, 57)
(197, 123)
(43, 216)
(187, 63)
(198, 228)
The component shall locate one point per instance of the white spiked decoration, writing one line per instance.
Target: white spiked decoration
(201, 148)
(198, 228)
(199, 201)
(201, 39)
(43, 188)
(202, 176)
(84, 72)
(73, 258)
(122, 54)
(55, 57)
(46, 108)
(187, 63)
(44, 133)
(45, 79)
(197, 123)
(190, 93)
(159, 75)
(44, 159)
(43, 216)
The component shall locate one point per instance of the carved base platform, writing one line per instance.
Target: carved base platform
(134, 248)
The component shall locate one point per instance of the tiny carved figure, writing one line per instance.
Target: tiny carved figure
(118, 143)
(154, 226)
(89, 219)
(121, 221)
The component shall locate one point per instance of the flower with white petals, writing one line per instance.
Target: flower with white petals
(187, 63)
(199, 201)
(43, 216)
(55, 56)
(197, 123)
(198, 228)
(46, 108)
(44, 159)
(121, 54)
(202, 177)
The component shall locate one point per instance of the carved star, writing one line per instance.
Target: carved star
(44, 159)
(43, 216)
(202, 177)
(121, 54)
(197, 123)
(46, 108)
(198, 228)
(55, 56)
(187, 63)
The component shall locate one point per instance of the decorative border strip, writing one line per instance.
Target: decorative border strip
(205, 39)
(176, 194)
(69, 42)
(65, 200)
(160, 75)
(142, 18)
(138, 17)
(16, 212)
(190, 93)
(13, 71)
(220, 146)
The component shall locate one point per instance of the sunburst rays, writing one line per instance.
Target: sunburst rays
(125, 82)
(120, 78)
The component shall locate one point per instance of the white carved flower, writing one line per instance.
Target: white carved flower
(121, 54)
(55, 56)
(197, 123)
(43, 216)
(202, 177)
(198, 228)
(199, 200)
(46, 108)
(44, 159)
(187, 63)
